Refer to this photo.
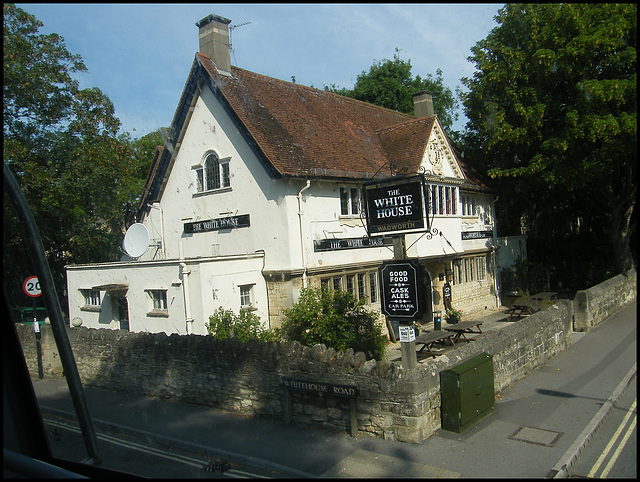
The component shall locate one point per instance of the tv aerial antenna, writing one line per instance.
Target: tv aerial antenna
(231, 29)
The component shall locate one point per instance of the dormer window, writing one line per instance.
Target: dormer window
(212, 174)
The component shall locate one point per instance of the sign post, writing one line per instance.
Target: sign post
(31, 287)
(400, 298)
(398, 205)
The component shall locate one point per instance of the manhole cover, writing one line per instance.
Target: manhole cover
(536, 436)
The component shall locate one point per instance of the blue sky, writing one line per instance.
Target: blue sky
(140, 55)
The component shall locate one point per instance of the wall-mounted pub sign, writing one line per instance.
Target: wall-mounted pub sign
(230, 222)
(395, 205)
(336, 244)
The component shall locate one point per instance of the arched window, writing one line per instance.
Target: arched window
(213, 174)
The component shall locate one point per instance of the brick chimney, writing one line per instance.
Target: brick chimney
(214, 41)
(423, 104)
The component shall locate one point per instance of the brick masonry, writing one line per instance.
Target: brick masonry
(245, 378)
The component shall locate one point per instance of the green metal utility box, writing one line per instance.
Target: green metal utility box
(466, 393)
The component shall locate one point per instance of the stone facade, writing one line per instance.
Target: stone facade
(596, 304)
(246, 378)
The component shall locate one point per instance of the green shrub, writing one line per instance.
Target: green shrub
(335, 319)
(245, 326)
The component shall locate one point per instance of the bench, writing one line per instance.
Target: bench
(427, 340)
(519, 311)
(464, 327)
(346, 391)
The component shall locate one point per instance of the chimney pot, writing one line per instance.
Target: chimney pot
(214, 40)
(423, 104)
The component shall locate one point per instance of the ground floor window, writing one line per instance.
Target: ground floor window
(362, 285)
(158, 302)
(246, 296)
(91, 300)
(470, 269)
(91, 297)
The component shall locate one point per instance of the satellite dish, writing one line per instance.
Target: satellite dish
(136, 240)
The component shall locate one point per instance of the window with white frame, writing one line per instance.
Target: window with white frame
(349, 201)
(468, 206)
(444, 200)
(158, 301)
(91, 298)
(246, 296)
(212, 174)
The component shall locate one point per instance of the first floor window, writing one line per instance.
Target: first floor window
(212, 174)
(443, 200)
(349, 201)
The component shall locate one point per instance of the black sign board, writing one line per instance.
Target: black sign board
(351, 243)
(476, 234)
(446, 295)
(400, 289)
(395, 205)
(320, 387)
(230, 222)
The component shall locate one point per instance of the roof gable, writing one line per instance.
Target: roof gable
(300, 131)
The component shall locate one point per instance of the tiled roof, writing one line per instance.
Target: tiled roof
(304, 131)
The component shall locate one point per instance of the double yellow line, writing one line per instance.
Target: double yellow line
(613, 441)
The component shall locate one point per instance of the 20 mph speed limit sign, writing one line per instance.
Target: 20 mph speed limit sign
(31, 287)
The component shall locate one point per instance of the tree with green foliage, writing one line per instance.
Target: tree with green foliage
(390, 84)
(335, 319)
(552, 111)
(244, 326)
(76, 171)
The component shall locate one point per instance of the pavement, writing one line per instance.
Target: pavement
(538, 426)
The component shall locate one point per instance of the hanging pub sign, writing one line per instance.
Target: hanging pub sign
(230, 222)
(395, 205)
(400, 289)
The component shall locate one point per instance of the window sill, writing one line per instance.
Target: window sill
(212, 191)
(158, 313)
(248, 308)
(95, 309)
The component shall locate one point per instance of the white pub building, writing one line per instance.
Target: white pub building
(258, 193)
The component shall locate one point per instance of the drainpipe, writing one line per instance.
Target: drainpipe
(186, 292)
(496, 273)
(304, 260)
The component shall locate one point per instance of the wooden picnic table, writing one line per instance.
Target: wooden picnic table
(464, 327)
(519, 311)
(428, 339)
(546, 296)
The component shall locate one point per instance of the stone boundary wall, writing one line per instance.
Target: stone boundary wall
(245, 378)
(593, 306)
